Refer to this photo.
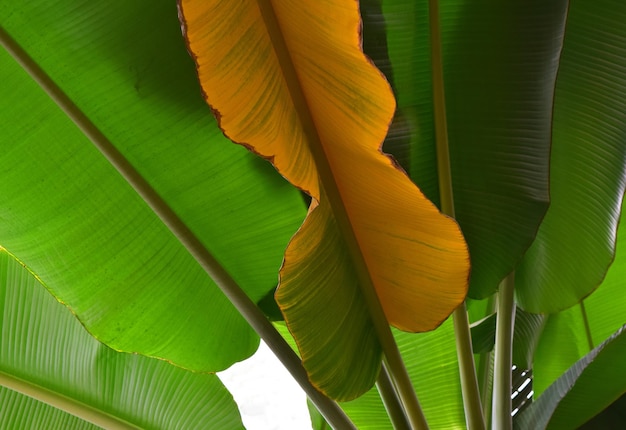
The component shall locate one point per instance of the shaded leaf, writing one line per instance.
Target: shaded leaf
(564, 341)
(289, 81)
(484, 334)
(432, 364)
(583, 391)
(576, 242)
(408, 46)
(374, 31)
(613, 417)
(68, 215)
(342, 355)
(528, 329)
(44, 345)
(434, 374)
(500, 63)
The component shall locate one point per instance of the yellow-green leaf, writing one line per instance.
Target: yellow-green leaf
(289, 81)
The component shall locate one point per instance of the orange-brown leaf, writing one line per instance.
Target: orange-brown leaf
(288, 79)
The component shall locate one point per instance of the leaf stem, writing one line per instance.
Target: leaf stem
(390, 399)
(587, 326)
(486, 378)
(253, 315)
(501, 406)
(67, 404)
(485, 370)
(467, 368)
(469, 382)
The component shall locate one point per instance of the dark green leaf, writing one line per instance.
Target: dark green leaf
(500, 63)
(576, 242)
(583, 391)
(564, 338)
(484, 334)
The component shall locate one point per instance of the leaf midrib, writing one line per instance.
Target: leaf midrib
(71, 406)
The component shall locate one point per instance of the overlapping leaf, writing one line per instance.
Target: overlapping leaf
(289, 80)
(576, 242)
(431, 361)
(500, 63)
(73, 220)
(43, 345)
(583, 390)
(564, 340)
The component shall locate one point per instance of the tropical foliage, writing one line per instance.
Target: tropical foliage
(123, 197)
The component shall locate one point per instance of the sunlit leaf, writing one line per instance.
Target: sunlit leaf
(289, 80)
(69, 216)
(43, 345)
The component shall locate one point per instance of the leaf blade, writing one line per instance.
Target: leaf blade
(499, 132)
(583, 391)
(48, 348)
(588, 173)
(107, 229)
(333, 106)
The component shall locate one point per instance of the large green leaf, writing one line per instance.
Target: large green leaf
(583, 391)
(576, 242)
(500, 63)
(564, 339)
(45, 348)
(18, 411)
(83, 231)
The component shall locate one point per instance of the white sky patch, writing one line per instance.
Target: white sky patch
(267, 395)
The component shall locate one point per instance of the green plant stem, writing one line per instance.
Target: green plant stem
(330, 191)
(485, 371)
(390, 399)
(248, 309)
(69, 405)
(486, 378)
(469, 382)
(467, 369)
(501, 406)
(587, 326)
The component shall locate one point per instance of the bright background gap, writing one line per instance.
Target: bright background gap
(267, 395)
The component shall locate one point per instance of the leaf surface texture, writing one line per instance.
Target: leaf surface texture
(288, 80)
(43, 344)
(69, 216)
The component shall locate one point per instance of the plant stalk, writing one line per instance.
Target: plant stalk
(248, 309)
(330, 191)
(390, 399)
(587, 326)
(469, 383)
(501, 406)
(67, 404)
(486, 379)
(485, 371)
